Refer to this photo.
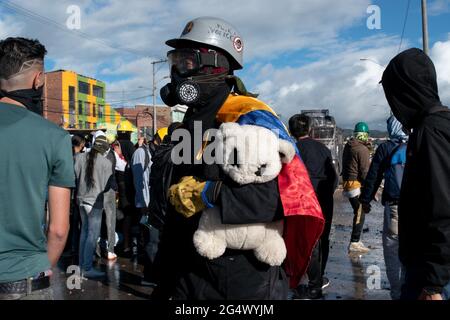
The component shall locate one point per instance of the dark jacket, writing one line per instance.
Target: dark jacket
(381, 163)
(112, 182)
(319, 163)
(237, 274)
(125, 183)
(355, 161)
(410, 86)
(376, 173)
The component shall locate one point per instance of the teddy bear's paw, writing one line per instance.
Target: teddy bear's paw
(273, 253)
(208, 245)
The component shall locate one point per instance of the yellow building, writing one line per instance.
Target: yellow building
(78, 102)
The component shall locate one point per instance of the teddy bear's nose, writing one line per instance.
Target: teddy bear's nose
(259, 171)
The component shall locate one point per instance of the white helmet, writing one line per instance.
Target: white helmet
(213, 32)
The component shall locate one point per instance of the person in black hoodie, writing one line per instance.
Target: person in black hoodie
(410, 86)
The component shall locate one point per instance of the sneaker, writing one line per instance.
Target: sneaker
(307, 293)
(112, 256)
(357, 247)
(93, 274)
(325, 282)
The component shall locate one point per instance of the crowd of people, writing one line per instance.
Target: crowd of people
(152, 207)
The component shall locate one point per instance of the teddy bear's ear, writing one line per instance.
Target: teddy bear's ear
(229, 126)
(286, 150)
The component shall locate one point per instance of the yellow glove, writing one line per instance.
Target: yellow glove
(186, 196)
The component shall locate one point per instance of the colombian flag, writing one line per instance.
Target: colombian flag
(304, 220)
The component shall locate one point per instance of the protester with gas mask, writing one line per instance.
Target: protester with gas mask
(27, 252)
(202, 64)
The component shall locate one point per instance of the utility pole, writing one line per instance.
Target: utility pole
(154, 92)
(425, 27)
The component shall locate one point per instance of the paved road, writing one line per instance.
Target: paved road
(349, 275)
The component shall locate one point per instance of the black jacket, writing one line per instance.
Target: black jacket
(319, 163)
(183, 273)
(410, 86)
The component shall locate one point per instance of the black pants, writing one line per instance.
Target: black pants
(233, 276)
(358, 219)
(319, 257)
(151, 238)
(73, 239)
(413, 284)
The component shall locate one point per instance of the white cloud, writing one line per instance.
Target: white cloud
(144, 26)
(340, 82)
(9, 27)
(438, 7)
(337, 79)
(440, 53)
(343, 83)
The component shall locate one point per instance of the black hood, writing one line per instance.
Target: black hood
(410, 86)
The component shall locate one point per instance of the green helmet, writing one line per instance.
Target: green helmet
(361, 127)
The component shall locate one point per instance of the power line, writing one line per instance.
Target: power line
(110, 103)
(86, 115)
(122, 91)
(404, 25)
(44, 20)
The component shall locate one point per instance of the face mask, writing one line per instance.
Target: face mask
(30, 98)
(191, 91)
(167, 94)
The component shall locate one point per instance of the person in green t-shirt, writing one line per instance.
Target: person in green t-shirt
(36, 162)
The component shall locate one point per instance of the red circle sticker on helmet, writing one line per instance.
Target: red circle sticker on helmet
(237, 44)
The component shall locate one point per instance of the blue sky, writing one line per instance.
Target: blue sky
(298, 53)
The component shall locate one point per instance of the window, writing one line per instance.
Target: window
(84, 87)
(80, 124)
(80, 107)
(98, 91)
(71, 100)
(94, 110)
(322, 133)
(87, 109)
(100, 111)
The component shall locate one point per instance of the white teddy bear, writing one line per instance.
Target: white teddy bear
(251, 154)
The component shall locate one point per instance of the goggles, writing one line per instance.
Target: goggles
(190, 61)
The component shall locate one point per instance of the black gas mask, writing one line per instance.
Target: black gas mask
(30, 98)
(190, 85)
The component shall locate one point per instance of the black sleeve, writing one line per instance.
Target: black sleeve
(330, 172)
(374, 176)
(435, 179)
(251, 203)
